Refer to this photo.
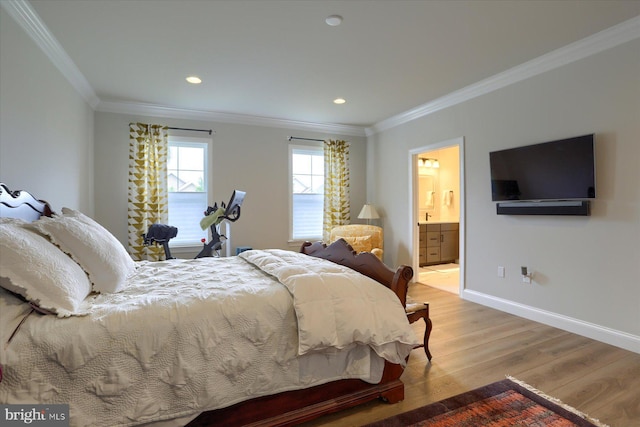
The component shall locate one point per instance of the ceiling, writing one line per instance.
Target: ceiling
(280, 60)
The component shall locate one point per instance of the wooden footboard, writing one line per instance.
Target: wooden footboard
(365, 263)
(294, 407)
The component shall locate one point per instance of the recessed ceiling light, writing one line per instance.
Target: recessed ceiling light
(339, 101)
(194, 80)
(334, 20)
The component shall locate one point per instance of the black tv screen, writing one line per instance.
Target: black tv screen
(556, 170)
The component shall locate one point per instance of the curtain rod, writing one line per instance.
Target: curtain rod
(305, 139)
(193, 130)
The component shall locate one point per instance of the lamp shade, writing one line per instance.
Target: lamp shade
(368, 212)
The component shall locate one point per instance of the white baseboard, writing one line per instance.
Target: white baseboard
(590, 330)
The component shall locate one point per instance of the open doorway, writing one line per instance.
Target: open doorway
(438, 215)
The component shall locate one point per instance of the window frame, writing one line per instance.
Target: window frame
(196, 142)
(318, 149)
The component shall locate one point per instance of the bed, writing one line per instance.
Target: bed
(263, 338)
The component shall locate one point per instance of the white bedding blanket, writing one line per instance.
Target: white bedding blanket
(336, 306)
(187, 336)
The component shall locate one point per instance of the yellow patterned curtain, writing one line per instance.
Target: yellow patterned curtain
(337, 208)
(148, 196)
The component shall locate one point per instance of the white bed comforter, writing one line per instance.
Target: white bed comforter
(187, 336)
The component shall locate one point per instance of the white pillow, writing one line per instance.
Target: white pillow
(41, 272)
(97, 251)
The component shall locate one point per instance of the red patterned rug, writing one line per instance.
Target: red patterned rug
(506, 403)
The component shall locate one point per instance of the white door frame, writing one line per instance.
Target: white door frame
(413, 211)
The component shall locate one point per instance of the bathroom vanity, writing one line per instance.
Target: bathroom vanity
(438, 242)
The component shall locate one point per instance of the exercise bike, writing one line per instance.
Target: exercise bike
(160, 234)
(213, 218)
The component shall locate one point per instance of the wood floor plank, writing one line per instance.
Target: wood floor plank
(612, 392)
(572, 364)
(473, 345)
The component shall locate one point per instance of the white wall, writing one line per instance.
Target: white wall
(46, 128)
(249, 158)
(587, 269)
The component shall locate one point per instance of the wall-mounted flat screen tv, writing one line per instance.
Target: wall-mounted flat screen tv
(555, 170)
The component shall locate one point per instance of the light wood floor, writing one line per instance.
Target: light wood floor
(473, 345)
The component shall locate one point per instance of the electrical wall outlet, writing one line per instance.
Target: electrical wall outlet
(526, 274)
(500, 271)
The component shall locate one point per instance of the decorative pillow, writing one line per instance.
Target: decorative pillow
(41, 272)
(358, 243)
(97, 251)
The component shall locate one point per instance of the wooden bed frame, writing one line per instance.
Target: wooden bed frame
(20, 204)
(292, 407)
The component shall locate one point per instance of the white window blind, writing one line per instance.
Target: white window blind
(187, 178)
(307, 192)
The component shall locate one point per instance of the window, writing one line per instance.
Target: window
(307, 192)
(187, 179)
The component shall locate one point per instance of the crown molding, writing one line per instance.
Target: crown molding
(22, 12)
(606, 39)
(183, 113)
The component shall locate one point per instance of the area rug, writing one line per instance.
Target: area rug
(506, 403)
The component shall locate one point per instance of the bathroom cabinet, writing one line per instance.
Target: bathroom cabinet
(438, 243)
